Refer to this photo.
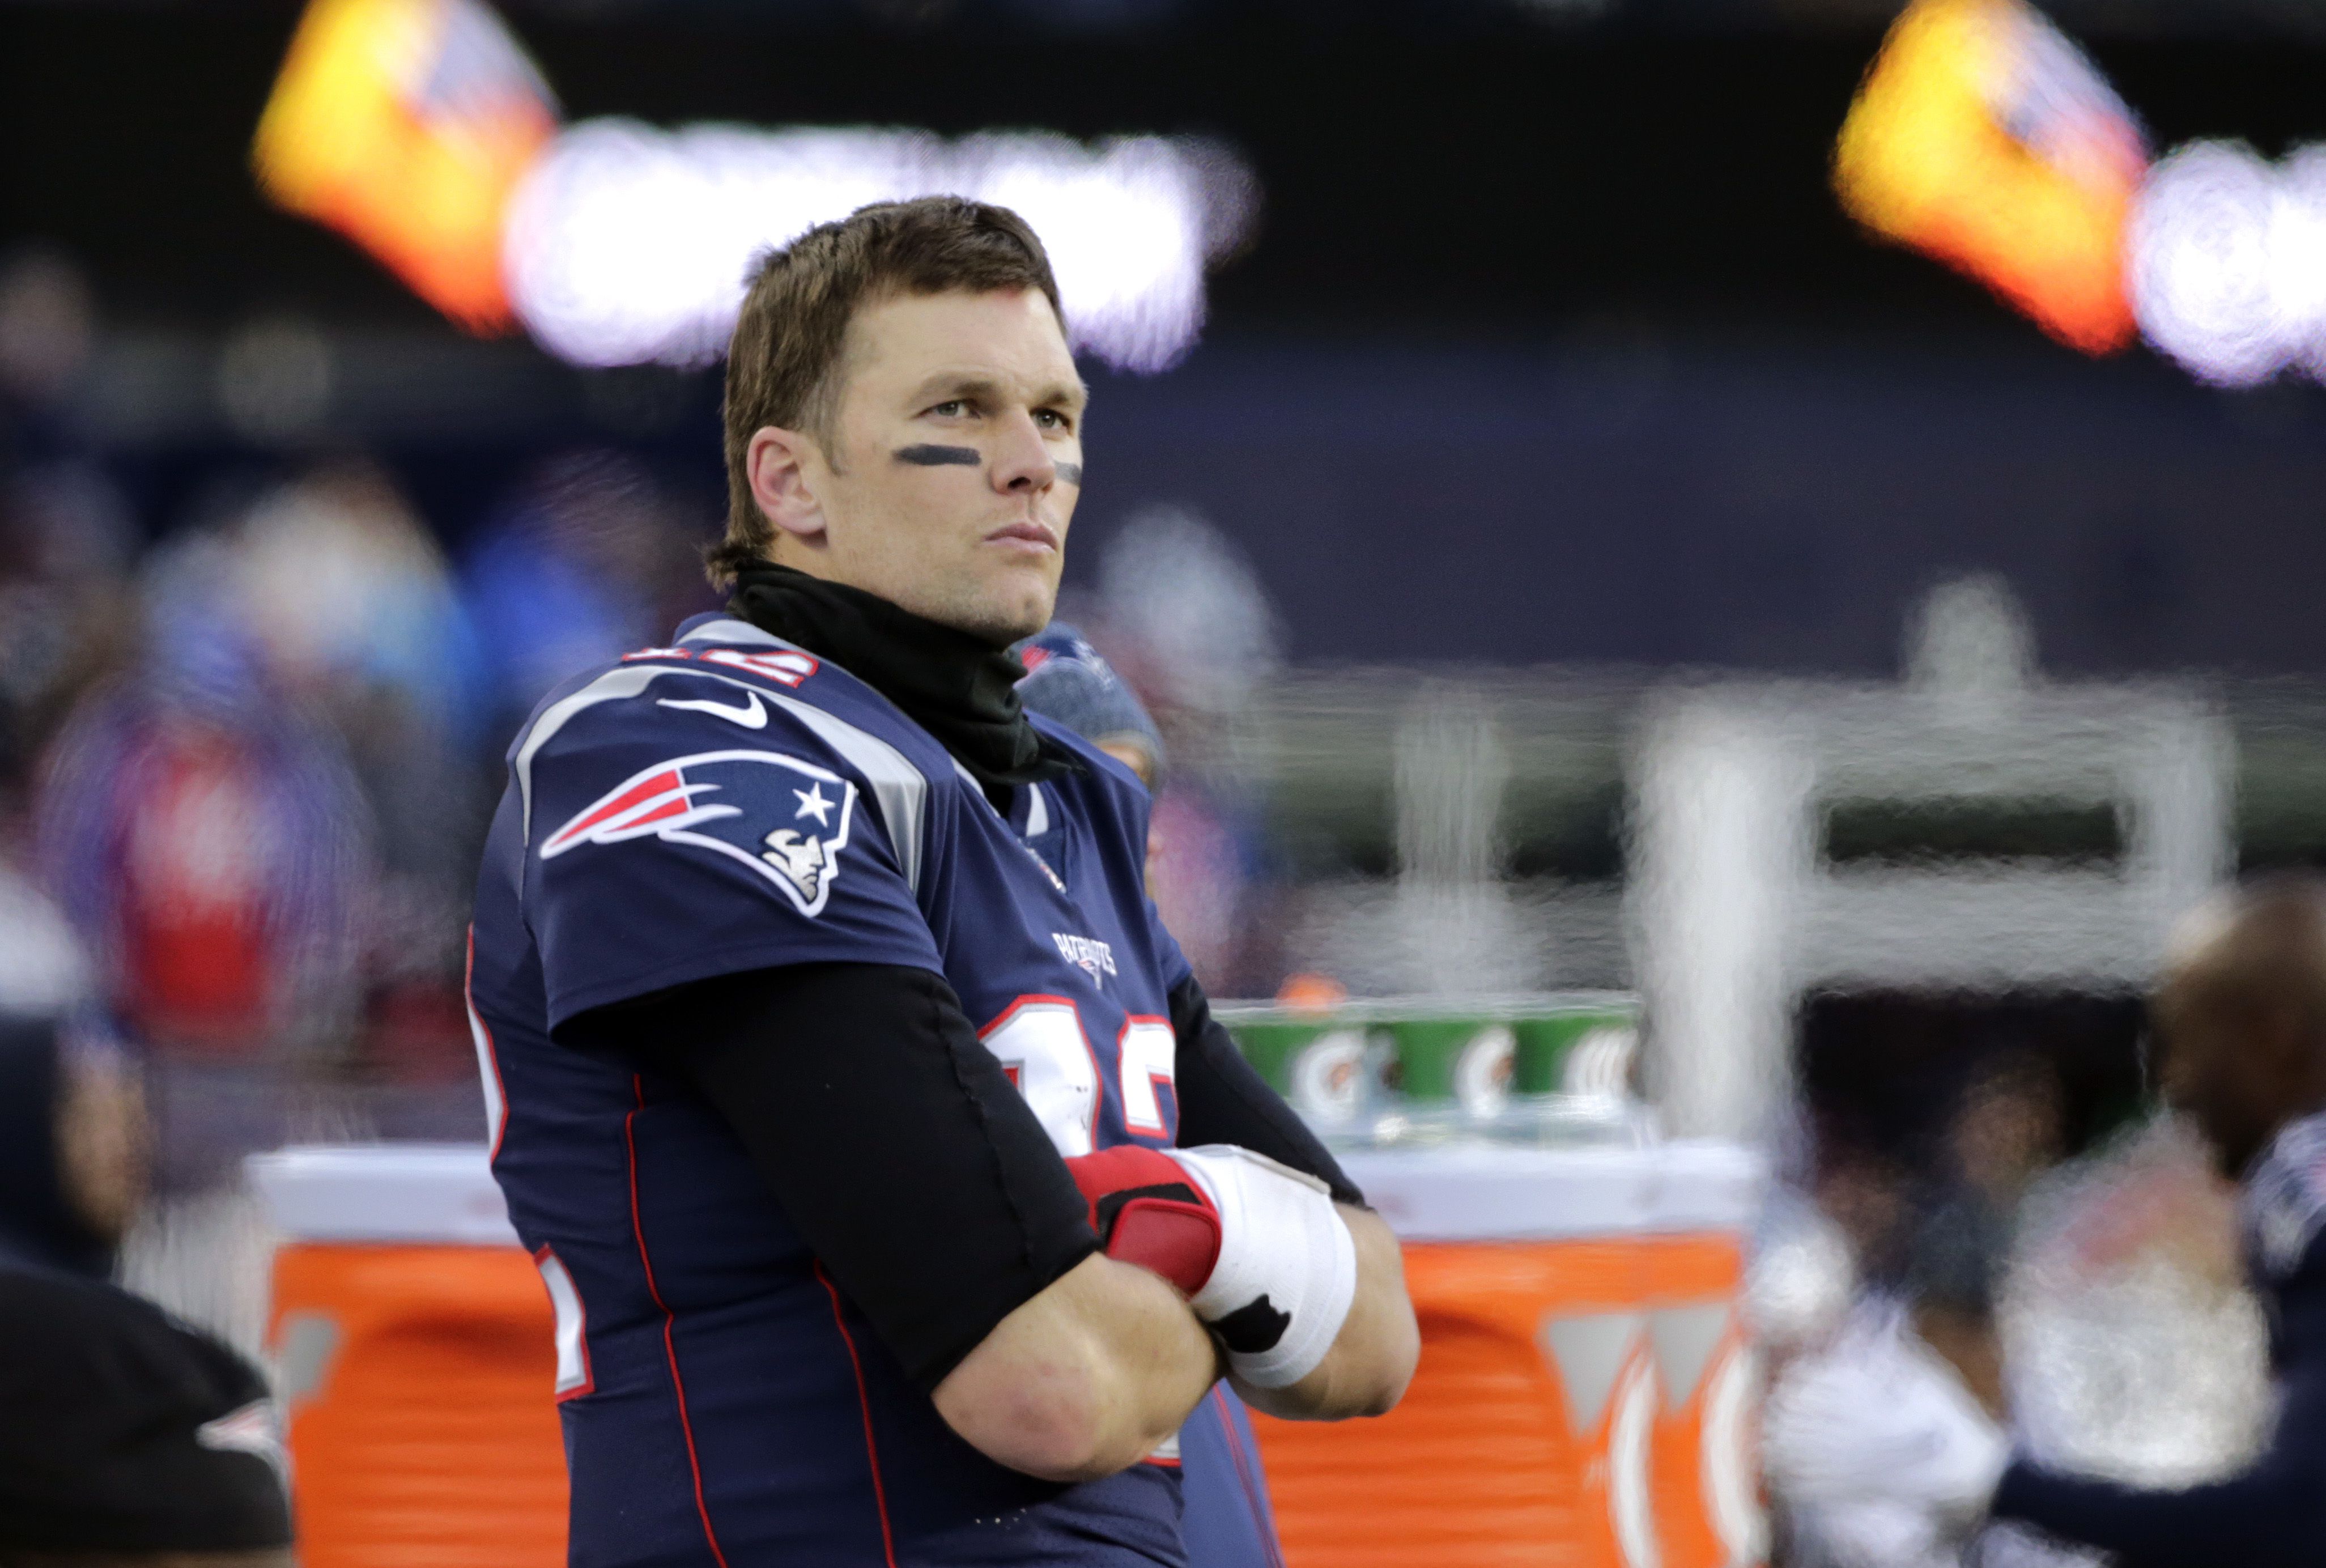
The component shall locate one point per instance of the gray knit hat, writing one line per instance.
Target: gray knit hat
(1067, 679)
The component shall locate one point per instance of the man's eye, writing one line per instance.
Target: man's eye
(950, 408)
(1050, 419)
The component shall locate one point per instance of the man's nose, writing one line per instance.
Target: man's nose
(1022, 458)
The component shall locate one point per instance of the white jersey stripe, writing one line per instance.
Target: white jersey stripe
(611, 686)
(899, 789)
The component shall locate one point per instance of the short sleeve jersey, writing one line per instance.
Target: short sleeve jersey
(728, 803)
(2282, 1202)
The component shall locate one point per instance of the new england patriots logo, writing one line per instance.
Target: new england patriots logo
(784, 818)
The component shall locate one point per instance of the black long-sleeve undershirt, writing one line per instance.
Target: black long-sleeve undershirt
(893, 1140)
(915, 1172)
(1224, 1100)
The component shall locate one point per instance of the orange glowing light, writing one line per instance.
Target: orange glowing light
(406, 124)
(1983, 137)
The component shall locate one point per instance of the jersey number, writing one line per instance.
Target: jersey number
(1042, 1046)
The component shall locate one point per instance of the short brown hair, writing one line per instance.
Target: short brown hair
(784, 360)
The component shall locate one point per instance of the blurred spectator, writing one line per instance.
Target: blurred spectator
(350, 600)
(72, 1151)
(65, 542)
(2006, 1131)
(125, 1437)
(1872, 1200)
(208, 841)
(355, 614)
(47, 327)
(1188, 627)
(585, 563)
(1067, 679)
(1183, 597)
(1942, 1256)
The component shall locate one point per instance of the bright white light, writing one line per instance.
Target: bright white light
(2227, 261)
(626, 244)
(2298, 257)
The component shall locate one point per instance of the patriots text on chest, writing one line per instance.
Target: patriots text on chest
(1094, 957)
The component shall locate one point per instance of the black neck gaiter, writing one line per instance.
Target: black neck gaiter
(960, 688)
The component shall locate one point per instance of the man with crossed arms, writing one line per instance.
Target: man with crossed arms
(899, 1194)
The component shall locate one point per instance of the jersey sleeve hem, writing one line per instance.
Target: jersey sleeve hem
(733, 958)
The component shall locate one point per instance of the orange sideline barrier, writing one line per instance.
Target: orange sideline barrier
(423, 1432)
(1579, 1403)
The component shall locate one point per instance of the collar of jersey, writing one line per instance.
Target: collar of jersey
(960, 691)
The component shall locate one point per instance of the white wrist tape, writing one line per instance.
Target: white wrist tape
(1286, 1270)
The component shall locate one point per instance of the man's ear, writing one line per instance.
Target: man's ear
(777, 462)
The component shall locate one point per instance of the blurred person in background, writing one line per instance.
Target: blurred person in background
(356, 621)
(2006, 1130)
(1929, 1250)
(583, 563)
(1228, 1522)
(1067, 679)
(208, 842)
(1191, 631)
(126, 1438)
(63, 548)
(2241, 1052)
(66, 544)
(48, 321)
(72, 1153)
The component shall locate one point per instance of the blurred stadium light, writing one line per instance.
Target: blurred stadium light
(2228, 256)
(404, 124)
(1984, 138)
(627, 244)
(420, 129)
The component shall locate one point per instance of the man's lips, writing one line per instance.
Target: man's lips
(1030, 533)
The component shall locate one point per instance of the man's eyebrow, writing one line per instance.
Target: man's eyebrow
(950, 384)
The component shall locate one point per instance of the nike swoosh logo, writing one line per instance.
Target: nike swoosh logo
(750, 716)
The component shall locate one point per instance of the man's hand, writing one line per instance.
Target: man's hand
(1307, 1297)
(1374, 1355)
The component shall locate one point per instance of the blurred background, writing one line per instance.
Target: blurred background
(1808, 517)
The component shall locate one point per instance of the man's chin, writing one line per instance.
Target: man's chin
(1000, 613)
(1010, 614)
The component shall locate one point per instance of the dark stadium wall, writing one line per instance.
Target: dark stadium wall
(1635, 494)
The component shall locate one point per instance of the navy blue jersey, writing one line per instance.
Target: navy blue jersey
(1229, 1521)
(731, 803)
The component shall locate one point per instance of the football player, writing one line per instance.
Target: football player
(897, 1194)
(2241, 1019)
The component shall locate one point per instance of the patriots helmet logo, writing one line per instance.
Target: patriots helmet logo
(803, 860)
(786, 818)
